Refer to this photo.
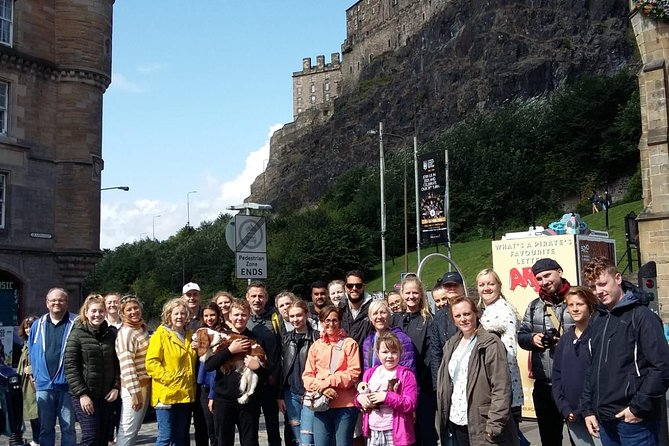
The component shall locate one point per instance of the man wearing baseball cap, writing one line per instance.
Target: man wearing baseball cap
(546, 318)
(442, 323)
(191, 294)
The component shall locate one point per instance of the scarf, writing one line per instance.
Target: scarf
(334, 338)
(558, 297)
(136, 325)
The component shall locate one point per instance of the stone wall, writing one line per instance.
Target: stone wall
(652, 38)
(58, 69)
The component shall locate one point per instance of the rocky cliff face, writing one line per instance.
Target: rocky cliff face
(471, 57)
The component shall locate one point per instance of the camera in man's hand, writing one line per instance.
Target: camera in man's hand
(550, 338)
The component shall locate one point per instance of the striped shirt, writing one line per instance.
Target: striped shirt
(131, 347)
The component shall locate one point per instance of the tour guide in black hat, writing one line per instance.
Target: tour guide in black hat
(546, 318)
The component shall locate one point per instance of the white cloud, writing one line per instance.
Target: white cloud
(125, 222)
(148, 68)
(122, 83)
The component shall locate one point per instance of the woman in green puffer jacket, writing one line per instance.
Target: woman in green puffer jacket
(92, 371)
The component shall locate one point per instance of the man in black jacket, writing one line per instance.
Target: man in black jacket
(264, 323)
(629, 374)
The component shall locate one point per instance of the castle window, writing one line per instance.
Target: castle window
(327, 97)
(313, 88)
(299, 110)
(299, 101)
(313, 98)
(327, 86)
(6, 17)
(299, 91)
(4, 100)
(3, 189)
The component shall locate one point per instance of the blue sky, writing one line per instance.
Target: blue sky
(196, 92)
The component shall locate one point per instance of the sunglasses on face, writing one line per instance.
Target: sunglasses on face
(357, 286)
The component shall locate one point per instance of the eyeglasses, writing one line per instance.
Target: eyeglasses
(331, 321)
(357, 286)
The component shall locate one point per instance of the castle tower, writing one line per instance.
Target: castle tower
(54, 69)
(652, 38)
(316, 87)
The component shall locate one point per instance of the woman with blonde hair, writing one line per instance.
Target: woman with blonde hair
(170, 362)
(500, 317)
(132, 343)
(417, 323)
(92, 371)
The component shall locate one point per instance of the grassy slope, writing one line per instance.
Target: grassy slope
(473, 256)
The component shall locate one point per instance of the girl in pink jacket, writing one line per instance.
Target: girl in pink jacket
(387, 396)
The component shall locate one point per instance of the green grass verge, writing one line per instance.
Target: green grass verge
(475, 255)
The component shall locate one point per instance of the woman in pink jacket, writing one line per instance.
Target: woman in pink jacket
(339, 353)
(387, 395)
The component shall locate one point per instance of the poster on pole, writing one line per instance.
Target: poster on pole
(432, 196)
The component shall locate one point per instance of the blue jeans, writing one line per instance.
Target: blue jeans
(300, 418)
(52, 404)
(619, 433)
(334, 426)
(173, 425)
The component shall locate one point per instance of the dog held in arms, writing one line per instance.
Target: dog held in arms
(210, 342)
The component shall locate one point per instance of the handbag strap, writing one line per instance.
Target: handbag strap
(335, 356)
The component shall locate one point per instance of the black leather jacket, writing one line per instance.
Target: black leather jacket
(294, 349)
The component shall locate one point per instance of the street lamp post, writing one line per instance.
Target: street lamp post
(154, 227)
(382, 172)
(125, 188)
(188, 207)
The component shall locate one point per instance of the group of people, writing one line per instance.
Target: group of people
(347, 368)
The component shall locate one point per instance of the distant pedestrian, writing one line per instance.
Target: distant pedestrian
(25, 371)
(594, 202)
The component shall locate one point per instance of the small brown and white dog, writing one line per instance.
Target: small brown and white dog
(210, 342)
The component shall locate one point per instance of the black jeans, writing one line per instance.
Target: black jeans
(426, 432)
(549, 418)
(230, 414)
(201, 433)
(208, 416)
(268, 395)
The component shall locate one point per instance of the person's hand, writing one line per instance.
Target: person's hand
(137, 401)
(628, 417)
(282, 405)
(210, 405)
(240, 346)
(591, 424)
(536, 340)
(319, 385)
(571, 417)
(86, 404)
(330, 393)
(111, 396)
(194, 343)
(365, 403)
(252, 362)
(377, 398)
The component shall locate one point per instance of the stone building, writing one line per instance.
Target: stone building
(316, 86)
(55, 65)
(652, 37)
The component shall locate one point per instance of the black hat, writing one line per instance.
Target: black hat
(542, 265)
(452, 277)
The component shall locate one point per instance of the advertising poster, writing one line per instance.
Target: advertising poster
(432, 196)
(513, 260)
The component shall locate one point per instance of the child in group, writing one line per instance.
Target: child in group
(387, 396)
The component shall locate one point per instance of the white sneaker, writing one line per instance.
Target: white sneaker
(32, 443)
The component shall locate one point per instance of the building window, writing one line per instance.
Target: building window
(3, 188)
(4, 101)
(299, 91)
(313, 98)
(327, 86)
(327, 97)
(6, 16)
(299, 101)
(313, 88)
(299, 110)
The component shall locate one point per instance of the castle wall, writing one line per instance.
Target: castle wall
(316, 85)
(374, 27)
